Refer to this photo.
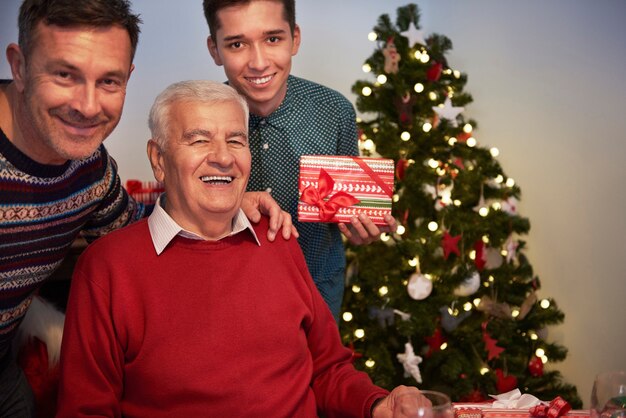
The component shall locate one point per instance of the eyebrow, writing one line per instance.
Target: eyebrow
(67, 65)
(197, 132)
(266, 33)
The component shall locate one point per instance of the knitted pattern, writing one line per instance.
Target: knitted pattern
(43, 208)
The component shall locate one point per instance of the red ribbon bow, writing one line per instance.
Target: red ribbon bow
(557, 408)
(315, 197)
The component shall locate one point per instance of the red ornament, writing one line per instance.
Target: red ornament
(355, 354)
(535, 367)
(434, 342)
(505, 383)
(463, 136)
(479, 260)
(493, 351)
(450, 244)
(434, 72)
(401, 166)
(475, 396)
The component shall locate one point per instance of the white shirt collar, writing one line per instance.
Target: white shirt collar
(163, 228)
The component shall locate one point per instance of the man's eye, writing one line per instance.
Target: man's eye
(273, 39)
(235, 45)
(237, 143)
(63, 74)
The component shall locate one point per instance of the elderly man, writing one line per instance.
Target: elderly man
(191, 312)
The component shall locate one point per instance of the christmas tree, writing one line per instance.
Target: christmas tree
(449, 302)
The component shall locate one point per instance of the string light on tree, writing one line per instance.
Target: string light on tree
(433, 197)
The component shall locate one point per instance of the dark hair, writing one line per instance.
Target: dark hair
(211, 7)
(68, 13)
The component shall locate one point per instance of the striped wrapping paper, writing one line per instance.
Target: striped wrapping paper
(484, 410)
(370, 180)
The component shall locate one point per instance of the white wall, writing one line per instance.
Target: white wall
(547, 79)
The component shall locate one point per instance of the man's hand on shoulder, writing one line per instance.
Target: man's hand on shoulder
(256, 204)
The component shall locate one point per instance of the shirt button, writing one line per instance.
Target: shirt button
(269, 190)
(266, 146)
(262, 122)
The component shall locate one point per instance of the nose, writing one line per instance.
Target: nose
(86, 100)
(220, 154)
(258, 58)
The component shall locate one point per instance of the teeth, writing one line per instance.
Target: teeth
(260, 80)
(216, 179)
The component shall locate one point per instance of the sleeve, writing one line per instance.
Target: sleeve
(340, 390)
(117, 209)
(348, 140)
(91, 380)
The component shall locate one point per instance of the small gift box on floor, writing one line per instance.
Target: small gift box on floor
(336, 188)
(514, 404)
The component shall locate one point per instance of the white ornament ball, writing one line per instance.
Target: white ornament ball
(493, 258)
(419, 286)
(469, 285)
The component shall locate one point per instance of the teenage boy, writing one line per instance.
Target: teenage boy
(255, 40)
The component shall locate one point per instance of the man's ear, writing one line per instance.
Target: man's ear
(212, 46)
(156, 160)
(17, 63)
(297, 36)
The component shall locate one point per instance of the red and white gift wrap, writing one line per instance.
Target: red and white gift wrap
(486, 411)
(336, 188)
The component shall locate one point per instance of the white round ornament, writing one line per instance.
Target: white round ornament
(493, 258)
(469, 285)
(419, 286)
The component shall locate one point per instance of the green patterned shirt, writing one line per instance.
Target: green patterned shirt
(312, 119)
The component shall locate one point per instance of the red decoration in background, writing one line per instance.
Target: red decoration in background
(450, 244)
(434, 342)
(493, 351)
(479, 260)
(401, 166)
(463, 136)
(43, 379)
(505, 383)
(355, 354)
(475, 396)
(535, 367)
(434, 72)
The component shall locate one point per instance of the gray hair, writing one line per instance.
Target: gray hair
(200, 91)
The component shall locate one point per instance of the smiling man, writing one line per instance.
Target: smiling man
(255, 41)
(206, 318)
(70, 71)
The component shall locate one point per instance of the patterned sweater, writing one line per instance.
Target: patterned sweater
(43, 208)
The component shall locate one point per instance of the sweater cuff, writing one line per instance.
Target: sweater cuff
(372, 401)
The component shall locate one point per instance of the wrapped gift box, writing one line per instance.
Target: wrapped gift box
(336, 188)
(486, 411)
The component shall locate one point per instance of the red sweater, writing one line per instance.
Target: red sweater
(220, 329)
